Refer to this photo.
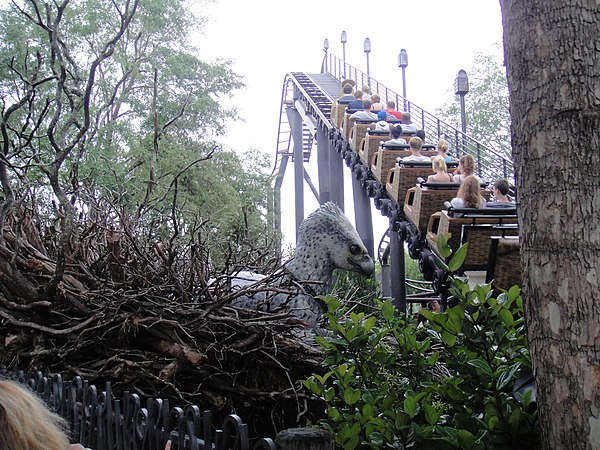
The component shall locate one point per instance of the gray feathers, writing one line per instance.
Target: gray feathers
(326, 241)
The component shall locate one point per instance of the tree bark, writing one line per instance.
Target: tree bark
(552, 53)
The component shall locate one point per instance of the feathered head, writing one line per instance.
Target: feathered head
(327, 241)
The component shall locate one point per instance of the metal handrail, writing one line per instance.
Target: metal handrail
(489, 163)
(315, 109)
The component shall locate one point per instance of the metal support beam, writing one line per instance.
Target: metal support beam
(295, 122)
(323, 156)
(362, 216)
(312, 187)
(277, 192)
(336, 175)
(397, 271)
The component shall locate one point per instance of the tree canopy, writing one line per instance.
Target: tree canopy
(108, 112)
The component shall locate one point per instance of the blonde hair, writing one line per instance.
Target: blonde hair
(438, 164)
(366, 89)
(415, 143)
(470, 192)
(442, 146)
(468, 164)
(26, 422)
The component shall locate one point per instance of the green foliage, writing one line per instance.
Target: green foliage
(140, 150)
(356, 291)
(446, 384)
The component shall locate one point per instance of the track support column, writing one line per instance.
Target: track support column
(323, 163)
(397, 270)
(295, 122)
(336, 175)
(362, 216)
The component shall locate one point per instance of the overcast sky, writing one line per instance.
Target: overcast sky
(266, 39)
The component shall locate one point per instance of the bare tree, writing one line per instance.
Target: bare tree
(553, 65)
(64, 108)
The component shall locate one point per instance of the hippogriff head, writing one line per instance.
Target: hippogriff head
(328, 232)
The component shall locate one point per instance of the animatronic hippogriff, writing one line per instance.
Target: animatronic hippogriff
(326, 241)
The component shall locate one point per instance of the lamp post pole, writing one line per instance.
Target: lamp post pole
(367, 49)
(461, 87)
(403, 63)
(344, 40)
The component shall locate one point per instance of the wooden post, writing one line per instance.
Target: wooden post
(304, 439)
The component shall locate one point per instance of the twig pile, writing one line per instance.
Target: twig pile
(148, 322)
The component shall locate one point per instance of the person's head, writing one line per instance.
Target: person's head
(406, 117)
(358, 95)
(420, 134)
(347, 89)
(376, 98)
(367, 105)
(366, 89)
(26, 422)
(396, 132)
(415, 144)
(391, 105)
(442, 147)
(438, 164)
(350, 82)
(470, 192)
(467, 165)
(382, 115)
(502, 187)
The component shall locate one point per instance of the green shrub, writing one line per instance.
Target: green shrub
(446, 384)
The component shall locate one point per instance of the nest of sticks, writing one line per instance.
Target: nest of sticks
(147, 321)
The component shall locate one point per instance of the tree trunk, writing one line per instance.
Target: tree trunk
(552, 52)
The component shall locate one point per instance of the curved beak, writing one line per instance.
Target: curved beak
(363, 264)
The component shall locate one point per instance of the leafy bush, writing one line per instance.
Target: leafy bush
(446, 384)
(356, 291)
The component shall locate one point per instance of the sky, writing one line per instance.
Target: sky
(266, 39)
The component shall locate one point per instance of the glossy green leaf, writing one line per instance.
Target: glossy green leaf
(442, 245)
(448, 338)
(481, 365)
(410, 405)
(459, 258)
(507, 375)
(350, 395)
(506, 317)
(431, 414)
(388, 311)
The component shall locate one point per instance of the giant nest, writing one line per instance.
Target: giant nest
(157, 321)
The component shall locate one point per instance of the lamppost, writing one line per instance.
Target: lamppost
(367, 48)
(403, 63)
(325, 49)
(461, 87)
(344, 40)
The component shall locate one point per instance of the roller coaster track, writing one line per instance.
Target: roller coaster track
(315, 106)
(312, 96)
(317, 92)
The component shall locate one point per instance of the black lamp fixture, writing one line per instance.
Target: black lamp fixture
(461, 83)
(461, 87)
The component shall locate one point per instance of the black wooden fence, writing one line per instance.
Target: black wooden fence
(102, 422)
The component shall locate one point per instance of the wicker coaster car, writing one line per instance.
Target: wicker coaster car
(472, 225)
